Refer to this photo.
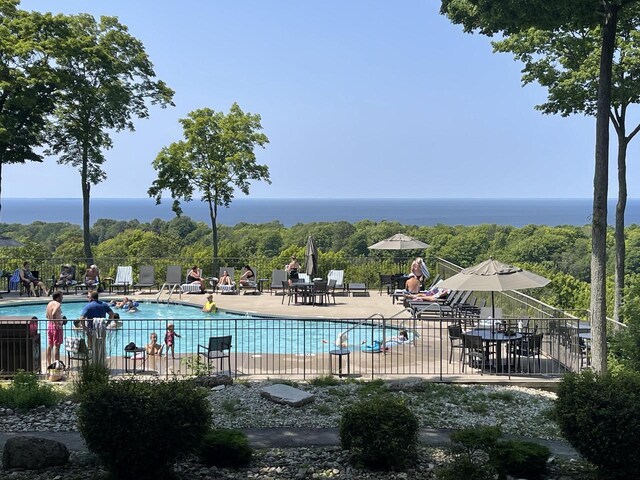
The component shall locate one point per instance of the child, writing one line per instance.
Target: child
(153, 347)
(210, 306)
(169, 338)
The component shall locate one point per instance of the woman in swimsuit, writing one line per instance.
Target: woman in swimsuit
(292, 269)
(248, 276)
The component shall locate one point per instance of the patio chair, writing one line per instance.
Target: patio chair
(189, 287)
(172, 280)
(277, 277)
(287, 292)
(455, 340)
(124, 279)
(474, 351)
(76, 348)
(530, 347)
(67, 282)
(147, 278)
(386, 283)
(320, 290)
(218, 349)
(331, 290)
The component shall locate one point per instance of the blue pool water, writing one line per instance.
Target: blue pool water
(250, 334)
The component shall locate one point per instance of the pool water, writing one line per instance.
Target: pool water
(250, 334)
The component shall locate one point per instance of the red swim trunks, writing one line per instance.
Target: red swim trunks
(54, 334)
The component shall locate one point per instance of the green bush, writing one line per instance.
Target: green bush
(91, 374)
(463, 467)
(225, 448)
(26, 392)
(598, 414)
(324, 381)
(139, 428)
(381, 433)
(471, 440)
(520, 459)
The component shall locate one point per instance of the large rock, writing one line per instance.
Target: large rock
(33, 453)
(287, 395)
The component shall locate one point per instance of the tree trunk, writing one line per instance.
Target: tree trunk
(600, 187)
(618, 299)
(86, 192)
(213, 214)
(0, 186)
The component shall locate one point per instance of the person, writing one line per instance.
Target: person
(120, 304)
(194, 276)
(153, 347)
(430, 296)
(210, 305)
(92, 276)
(225, 279)
(416, 268)
(29, 280)
(66, 276)
(402, 337)
(169, 338)
(94, 309)
(292, 269)
(412, 284)
(248, 276)
(54, 327)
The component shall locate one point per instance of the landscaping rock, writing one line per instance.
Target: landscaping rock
(407, 385)
(213, 381)
(33, 453)
(286, 395)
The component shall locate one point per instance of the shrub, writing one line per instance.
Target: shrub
(469, 441)
(472, 448)
(324, 381)
(225, 448)
(598, 414)
(91, 374)
(520, 459)
(26, 392)
(463, 467)
(381, 433)
(139, 428)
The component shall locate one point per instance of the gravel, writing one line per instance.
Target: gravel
(517, 410)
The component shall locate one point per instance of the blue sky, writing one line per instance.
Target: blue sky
(365, 98)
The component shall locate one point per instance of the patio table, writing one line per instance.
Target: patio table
(490, 336)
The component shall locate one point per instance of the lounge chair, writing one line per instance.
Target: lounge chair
(124, 279)
(227, 288)
(338, 276)
(172, 280)
(251, 285)
(65, 283)
(147, 278)
(192, 287)
(277, 277)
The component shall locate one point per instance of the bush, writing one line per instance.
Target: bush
(324, 381)
(91, 375)
(598, 414)
(381, 433)
(520, 459)
(139, 428)
(469, 441)
(225, 448)
(463, 467)
(26, 392)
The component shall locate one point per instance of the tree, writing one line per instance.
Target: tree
(513, 16)
(566, 63)
(107, 79)
(216, 157)
(28, 82)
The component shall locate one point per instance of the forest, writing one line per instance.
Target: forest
(561, 253)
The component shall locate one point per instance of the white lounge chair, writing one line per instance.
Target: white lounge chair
(338, 276)
(124, 279)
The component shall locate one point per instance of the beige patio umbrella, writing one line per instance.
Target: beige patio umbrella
(399, 241)
(493, 276)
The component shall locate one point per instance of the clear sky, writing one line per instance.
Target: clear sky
(359, 98)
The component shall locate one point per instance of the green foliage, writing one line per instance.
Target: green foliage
(139, 428)
(381, 433)
(26, 392)
(92, 375)
(470, 441)
(465, 468)
(225, 448)
(624, 344)
(520, 459)
(598, 414)
(324, 381)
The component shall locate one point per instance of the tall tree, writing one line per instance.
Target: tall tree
(566, 63)
(216, 157)
(107, 80)
(28, 82)
(513, 16)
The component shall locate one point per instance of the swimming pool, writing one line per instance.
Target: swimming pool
(250, 334)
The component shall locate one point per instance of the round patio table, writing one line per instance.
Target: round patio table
(490, 336)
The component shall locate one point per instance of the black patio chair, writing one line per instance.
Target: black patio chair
(218, 349)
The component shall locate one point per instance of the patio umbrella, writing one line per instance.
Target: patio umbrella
(399, 241)
(311, 258)
(493, 276)
(9, 242)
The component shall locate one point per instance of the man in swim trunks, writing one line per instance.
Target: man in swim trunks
(94, 309)
(54, 327)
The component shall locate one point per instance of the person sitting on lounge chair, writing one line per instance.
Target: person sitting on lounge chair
(92, 277)
(66, 276)
(29, 281)
(429, 296)
(225, 279)
(413, 284)
(248, 276)
(194, 276)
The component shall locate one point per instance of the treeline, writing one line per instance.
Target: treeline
(560, 253)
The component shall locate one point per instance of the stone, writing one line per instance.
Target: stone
(286, 395)
(33, 453)
(213, 381)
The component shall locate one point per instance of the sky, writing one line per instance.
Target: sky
(359, 99)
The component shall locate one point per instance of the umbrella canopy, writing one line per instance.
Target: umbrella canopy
(493, 276)
(399, 241)
(311, 258)
(9, 242)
